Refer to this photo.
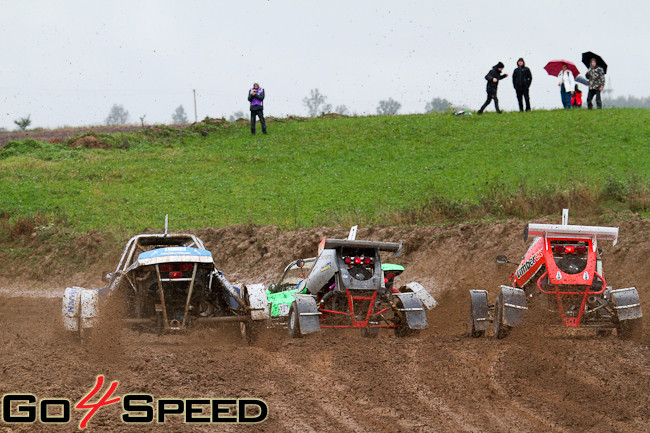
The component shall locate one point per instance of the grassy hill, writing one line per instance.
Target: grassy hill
(332, 171)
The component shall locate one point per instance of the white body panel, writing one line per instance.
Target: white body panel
(259, 303)
(423, 294)
(323, 270)
(71, 308)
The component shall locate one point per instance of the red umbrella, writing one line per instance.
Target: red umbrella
(555, 66)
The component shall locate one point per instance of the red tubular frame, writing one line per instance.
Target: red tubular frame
(357, 323)
(571, 322)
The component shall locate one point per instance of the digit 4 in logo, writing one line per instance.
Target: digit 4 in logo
(94, 407)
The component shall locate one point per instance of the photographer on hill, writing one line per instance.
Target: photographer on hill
(256, 98)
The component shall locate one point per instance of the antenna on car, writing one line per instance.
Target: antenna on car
(166, 222)
(353, 233)
(565, 217)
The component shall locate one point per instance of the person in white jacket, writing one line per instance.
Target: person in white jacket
(567, 84)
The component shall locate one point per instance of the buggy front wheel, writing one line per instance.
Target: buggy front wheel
(293, 327)
(500, 329)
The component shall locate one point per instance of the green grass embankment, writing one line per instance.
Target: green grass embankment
(330, 171)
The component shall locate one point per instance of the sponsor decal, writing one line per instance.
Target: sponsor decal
(528, 264)
(136, 408)
(326, 267)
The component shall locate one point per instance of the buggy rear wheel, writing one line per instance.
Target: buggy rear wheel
(293, 327)
(626, 329)
(84, 334)
(473, 332)
(500, 329)
(369, 332)
(247, 332)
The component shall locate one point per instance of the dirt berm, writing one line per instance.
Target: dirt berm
(539, 379)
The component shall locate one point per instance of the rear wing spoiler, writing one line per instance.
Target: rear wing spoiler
(572, 231)
(395, 247)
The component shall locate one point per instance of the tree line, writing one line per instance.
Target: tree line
(317, 105)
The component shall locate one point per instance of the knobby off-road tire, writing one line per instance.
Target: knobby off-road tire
(369, 332)
(84, 334)
(472, 331)
(500, 330)
(248, 332)
(293, 325)
(626, 329)
(403, 330)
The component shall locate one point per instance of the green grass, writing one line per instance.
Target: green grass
(324, 171)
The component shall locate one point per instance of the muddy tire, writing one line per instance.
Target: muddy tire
(369, 332)
(627, 329)
(500, 329)
(403, 330)
(247, 332)
(293, 325)
(472, 331)
(85, 334)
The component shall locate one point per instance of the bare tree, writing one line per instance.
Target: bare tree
(437, 104)
(178, 116)
(24, 122)
(342, 109)
(117, 116)
(315, 103)
(389, 107)
(236, 115)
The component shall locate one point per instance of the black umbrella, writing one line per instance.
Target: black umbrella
(586, 59)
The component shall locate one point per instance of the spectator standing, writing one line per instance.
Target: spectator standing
(576, 99)
(521, 79)
(596, 77)
(567, 84)
(256, 98)
(493, 78)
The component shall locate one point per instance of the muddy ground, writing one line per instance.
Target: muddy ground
(538, 379)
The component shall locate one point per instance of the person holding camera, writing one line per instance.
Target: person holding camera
(256, 98)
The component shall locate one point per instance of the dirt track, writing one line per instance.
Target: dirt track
(535, 380)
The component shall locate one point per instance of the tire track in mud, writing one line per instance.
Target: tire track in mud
(433, 403)
(338, 413)
(543, 423)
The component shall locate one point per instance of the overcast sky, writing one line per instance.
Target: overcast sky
(66, 63)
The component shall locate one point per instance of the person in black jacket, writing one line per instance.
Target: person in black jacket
(256, 98)
(493, 78)
(521, 79)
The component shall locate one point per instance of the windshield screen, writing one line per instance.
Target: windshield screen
(294, 275)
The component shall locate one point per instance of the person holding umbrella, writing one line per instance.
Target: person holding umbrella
(567, 84)
(596, 77)
(493, 78)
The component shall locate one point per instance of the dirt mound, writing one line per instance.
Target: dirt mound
(89, 142)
